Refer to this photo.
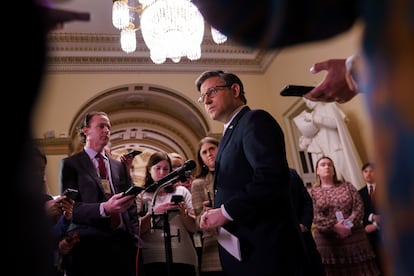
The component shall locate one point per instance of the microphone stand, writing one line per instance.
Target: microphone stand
(166, 225)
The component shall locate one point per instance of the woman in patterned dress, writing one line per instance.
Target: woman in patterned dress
(338, 230)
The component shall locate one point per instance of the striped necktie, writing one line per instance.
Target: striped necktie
(371, 192)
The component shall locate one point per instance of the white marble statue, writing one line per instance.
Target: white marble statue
(325, 133)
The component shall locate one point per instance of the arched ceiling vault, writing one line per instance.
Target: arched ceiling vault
(147, 117)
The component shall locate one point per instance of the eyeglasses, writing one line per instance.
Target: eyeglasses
(211, 92)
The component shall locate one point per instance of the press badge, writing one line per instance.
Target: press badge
(197, 239)
(106, 186)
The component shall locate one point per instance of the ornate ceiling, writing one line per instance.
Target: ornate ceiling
(93, 46)
(141, 114)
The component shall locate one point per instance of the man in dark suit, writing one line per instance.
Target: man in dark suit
(303, 205)
(103, 248)
(251, 184)
(384, 74)
(371, 220)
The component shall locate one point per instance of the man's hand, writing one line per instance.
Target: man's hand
(370, 228)
(53, 207)
(212, 218)
(67, 243)
(118, 203)
(338, 84)
(67, 207)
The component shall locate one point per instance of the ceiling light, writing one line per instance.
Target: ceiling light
(170, 28)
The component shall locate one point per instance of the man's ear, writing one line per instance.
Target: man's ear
(85, 131)
(235, 90)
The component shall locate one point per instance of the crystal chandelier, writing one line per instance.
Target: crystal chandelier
(170, 28)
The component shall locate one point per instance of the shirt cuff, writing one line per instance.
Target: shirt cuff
(349, 63)
(102, 211)
(352, 65)
(370, 217)
(224, 212)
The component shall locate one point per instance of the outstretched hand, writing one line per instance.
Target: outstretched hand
(338, 84)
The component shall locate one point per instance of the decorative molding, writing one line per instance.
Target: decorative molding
(54, 146)
(100, 52)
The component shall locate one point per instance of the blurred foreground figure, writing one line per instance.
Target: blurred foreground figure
(387, 54)
(28, 238)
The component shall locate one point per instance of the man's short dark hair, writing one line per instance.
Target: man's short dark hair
(85, 123)
(368, 164)
(227, 78)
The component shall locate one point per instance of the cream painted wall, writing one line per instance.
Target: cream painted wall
(292, 65)
(64, 94)
(52, 176)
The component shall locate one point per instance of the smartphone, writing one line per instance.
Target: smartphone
(133, 190)
(71, 194)
(133, 153)
(295, 90)
(177, 199)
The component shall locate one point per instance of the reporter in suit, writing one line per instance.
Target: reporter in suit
(103, 249)
(372, 218)
(251, 183)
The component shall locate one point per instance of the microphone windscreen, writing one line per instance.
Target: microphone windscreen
(189, 165)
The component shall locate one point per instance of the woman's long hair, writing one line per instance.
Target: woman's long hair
(155, 158)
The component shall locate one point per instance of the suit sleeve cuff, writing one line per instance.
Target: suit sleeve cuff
(225, 214)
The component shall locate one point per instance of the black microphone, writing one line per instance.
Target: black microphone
(185, 176)
(187, 166)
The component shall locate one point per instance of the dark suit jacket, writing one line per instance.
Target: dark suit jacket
(101, 250)
(252, 181)
(78, 172)
(369, 208)
(303, 205)
(301, 199)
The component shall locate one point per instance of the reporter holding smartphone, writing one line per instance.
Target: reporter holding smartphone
(127, 160)
(59, 210)
(106, 221)
(172, 206)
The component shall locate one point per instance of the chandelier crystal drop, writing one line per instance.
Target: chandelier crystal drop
(120, 14)
(170, 28)
(128, 39)
(218, 37)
